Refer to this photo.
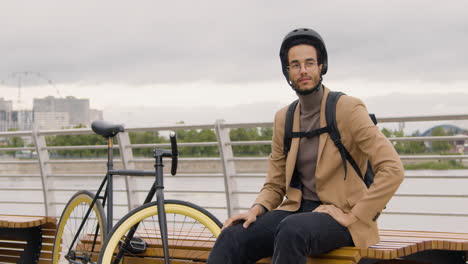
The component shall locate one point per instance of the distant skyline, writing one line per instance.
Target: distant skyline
(218, 54)
(391, 105)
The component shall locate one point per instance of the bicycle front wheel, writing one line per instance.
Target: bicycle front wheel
(86, 247)
(192, 231)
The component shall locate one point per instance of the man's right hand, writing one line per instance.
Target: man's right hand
(249, 217)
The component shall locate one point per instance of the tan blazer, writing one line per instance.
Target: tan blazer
(365, 142)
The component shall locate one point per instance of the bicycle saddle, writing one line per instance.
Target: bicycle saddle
(106, 129)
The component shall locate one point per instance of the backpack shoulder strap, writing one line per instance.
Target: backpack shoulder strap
(288, 126)
(330, 114)
(373, 118)
(330, 109)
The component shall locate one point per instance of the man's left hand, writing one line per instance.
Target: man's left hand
(344, 219)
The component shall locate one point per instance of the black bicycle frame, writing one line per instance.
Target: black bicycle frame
(156, 188)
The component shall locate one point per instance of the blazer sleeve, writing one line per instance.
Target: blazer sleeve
(386, 163)
(273, 190)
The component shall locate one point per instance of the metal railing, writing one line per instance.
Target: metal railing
(224, 184)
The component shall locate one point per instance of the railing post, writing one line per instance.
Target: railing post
(126, 155)
(44, 167)
(229, 169)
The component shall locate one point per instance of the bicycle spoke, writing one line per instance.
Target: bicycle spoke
(188, 237)
(85, 249)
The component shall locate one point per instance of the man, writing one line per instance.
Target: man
(308, 204)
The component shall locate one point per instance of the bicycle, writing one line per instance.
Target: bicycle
(84, 229)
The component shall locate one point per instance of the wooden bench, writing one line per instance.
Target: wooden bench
(396, 246)
(26, 239)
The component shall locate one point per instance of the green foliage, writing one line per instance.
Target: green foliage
(251, 134)
(441, 146)
(147, 137)
(76, 140)
(197, 135)
(407, 147)
(13, 142)
(386, 132)
(443, 165)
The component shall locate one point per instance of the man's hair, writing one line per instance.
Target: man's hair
(307, 41)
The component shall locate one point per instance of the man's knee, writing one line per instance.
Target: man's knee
(226, 248)
(233, 237)
(290, 231)
(312, 233)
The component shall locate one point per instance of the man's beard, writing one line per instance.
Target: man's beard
(308, 91)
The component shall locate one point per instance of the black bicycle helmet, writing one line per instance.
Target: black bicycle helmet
(299, 34)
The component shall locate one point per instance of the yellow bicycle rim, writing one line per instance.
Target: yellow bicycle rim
(77, 200)
(150, 211)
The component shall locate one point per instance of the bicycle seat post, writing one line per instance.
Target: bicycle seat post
(110, 156)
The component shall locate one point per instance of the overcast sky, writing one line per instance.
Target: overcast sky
(224, 53)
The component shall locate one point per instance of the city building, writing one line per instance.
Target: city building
(16, 120)
(6, 105)
(51, 120)
(77, 109)
(95, 115)
(48, 113)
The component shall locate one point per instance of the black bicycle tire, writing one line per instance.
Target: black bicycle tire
(145, 206)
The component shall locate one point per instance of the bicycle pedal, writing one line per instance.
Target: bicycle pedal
(137, 246)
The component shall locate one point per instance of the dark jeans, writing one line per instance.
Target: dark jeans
(287, 236)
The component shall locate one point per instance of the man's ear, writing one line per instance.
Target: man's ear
(320, 67)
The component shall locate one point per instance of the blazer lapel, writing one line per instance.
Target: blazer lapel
(292, 155)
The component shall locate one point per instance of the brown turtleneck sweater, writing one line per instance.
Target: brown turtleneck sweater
(308, 147)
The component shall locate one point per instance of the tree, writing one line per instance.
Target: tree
(386, 132)
(251, 134)
(147, 137)
(14, 142)
(440, 146)
(266, 133)
(405, 147)
(77, 140)
(415, 147)
(197, 135)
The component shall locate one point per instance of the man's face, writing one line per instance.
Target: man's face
(303, 69)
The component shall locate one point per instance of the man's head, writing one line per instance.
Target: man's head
(303, 59)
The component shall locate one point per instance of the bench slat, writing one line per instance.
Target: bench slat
(6, 244)
(8, 259)
(10, 252)
(352, 254)
(23, 221)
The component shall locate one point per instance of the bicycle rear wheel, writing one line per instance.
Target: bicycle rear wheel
(192, 232)
(88, 243)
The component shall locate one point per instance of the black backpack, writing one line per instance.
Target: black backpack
(332, 130)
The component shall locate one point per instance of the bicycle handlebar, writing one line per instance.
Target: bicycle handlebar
(175, 153)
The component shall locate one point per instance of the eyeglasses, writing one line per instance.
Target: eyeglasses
(295, 67)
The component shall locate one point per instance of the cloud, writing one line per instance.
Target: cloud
(151, 42)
